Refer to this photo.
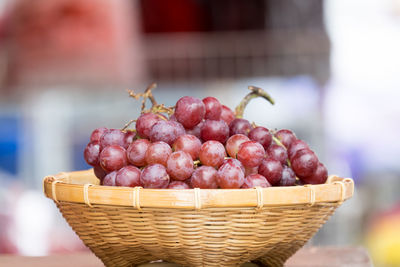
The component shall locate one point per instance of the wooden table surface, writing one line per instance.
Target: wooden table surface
(306, 257)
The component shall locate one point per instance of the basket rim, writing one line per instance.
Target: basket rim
(74, 187)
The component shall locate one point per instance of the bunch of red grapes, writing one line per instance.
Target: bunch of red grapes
(201, 145)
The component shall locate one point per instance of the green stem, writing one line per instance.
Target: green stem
(255, 92)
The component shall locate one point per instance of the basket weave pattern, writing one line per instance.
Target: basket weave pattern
(121, 235)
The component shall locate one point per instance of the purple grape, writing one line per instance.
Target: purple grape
(261, 135)
(319, 176)
(158, 152)
(278, 152)
(230, 176)
(99, 172)
(189, 144)
(154, 176)
(234, 142)
(296, 146)
(113, 158)
(212, 153)
(196, 130)
(136, 152)
(214, 130)
(145, 122)
(304, 163)
(128, 176)
(235, 162)
(288, 177)
(130, 136)
(250, 154)
(204, 177)
(166, 131)
(178, 185)
(180, 165)
(189, 111)
(286, 137)
(271, 169)
(213, 108)
(97, 133)
(109, 179)
(240, 126)
(254, 180)
(91, 153)
(227, 114)
(112, 137)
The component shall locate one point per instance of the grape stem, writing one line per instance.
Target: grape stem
(127, 125)
(255, 92)
(146, 95)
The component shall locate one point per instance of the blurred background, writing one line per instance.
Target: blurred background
(332, 66)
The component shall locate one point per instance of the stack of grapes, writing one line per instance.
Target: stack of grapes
(201, 145)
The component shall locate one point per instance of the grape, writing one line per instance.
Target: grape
(318, 177)
(239, 126)
(189, 111)
(196, 130)
(99, 172)
(304, 163)
(91, 153)
(145, 122)
(178, 185)
(113, 158)
(230, 175)
(180, 165)
(158, 152)
(166, 131)
(112, 137)
(204, 177)
(215, 130)
(278, 152)
(235, 162)
(271, 169)
(172, 118)
(154, 176)
(234, 142)
(286, 137)
(213, 108)
(249, 171)
(261, 135)
(296, 146)
(288, 177)
(189, 144)
(212, 153)
(129, 138)
(250, 154)
(109, 179)
(136, 152)
(128, 176)
(227, 114)
(254, 180)
(97, 133)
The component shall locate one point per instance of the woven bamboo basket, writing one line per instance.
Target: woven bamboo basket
(194, 227)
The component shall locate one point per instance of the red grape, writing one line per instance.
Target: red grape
(145, 122)
(180, 165)
(213, 108)
(178, 185)
(99, 172)
(166, 131)
(189, 144)
(230, 175)
(109, 179)
(288, 177)
(112, 137)
(250, 154)
(97, 133)
(277, 152)
(234, 142)
(154, 176)
(227, 114)
(204, 177)
(261, 135)
(189, 111)
(172, 118)
(158, 152)
(318, 177)
(248, 171)
(271, 169)
(239, 126)
(212, 153)
(254, 180)
(128, 176)
(113, 158)
(129, 138)
(304, 163)
(91, 153)
(296, 146)
(214, 130)
(136, 152)
(235, 162)
(286, 137)
(196, 130)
